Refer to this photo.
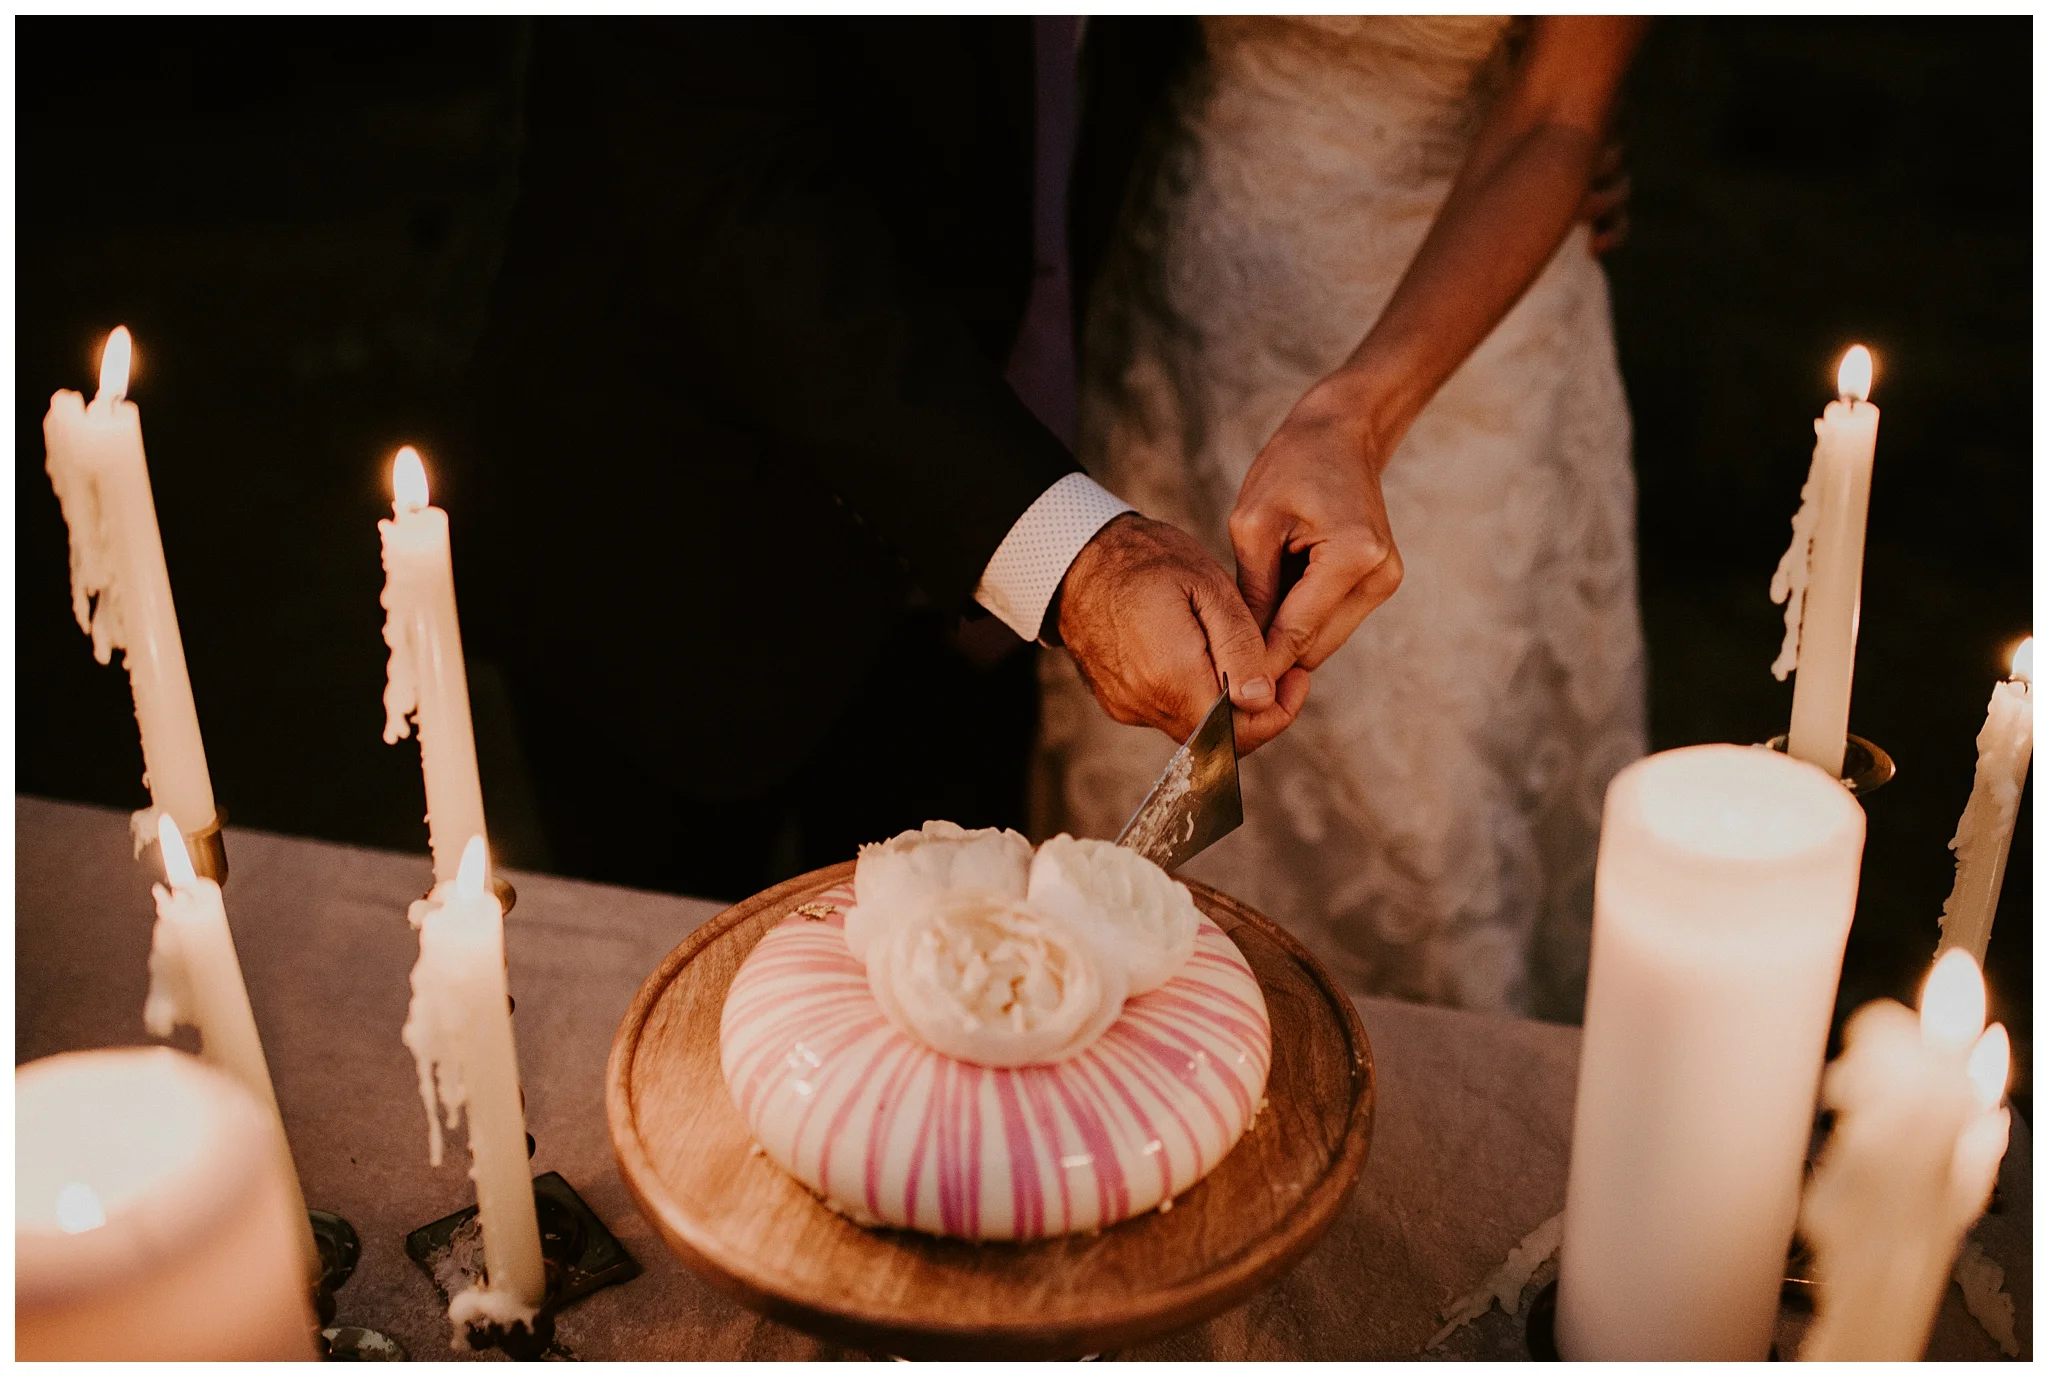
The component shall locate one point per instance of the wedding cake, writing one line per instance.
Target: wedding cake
(975, 1041)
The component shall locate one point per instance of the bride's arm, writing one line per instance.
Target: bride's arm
(1516, 196)
(1315, 487)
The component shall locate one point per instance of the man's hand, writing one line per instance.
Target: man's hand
(1314, 491)
(1153, 622)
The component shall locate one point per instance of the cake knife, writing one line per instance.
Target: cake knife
(1196, 801)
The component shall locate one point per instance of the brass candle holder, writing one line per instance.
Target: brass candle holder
(340, 1249)
(578, 1254)
(206, 847)
(1866, 766)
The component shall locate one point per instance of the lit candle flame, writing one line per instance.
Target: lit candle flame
(469, 879)
(177, 861)
(1990, 1061)
(1852, 379)
(1952, 1005)
(408, 481)
(2023, 661)
(115, 358)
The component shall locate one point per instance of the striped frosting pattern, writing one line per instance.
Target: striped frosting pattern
(890, 1132)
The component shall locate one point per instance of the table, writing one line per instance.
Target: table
(1470, 1145)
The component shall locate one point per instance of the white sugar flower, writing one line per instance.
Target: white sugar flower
(907, 872)
(985, 978)
(1137, 913)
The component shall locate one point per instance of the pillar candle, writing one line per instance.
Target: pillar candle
(1725, 884)
(1983, 839)
(120, 589)
(151, 1217)
(1820, 579)
(1909, 1166)
(426, 680)
(195, 979)
(460, 1031)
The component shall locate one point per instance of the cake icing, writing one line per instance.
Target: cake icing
(890, 1131)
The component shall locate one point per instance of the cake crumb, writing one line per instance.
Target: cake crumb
(1166, 1204)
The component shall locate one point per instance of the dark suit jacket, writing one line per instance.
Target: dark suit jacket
(739, 401)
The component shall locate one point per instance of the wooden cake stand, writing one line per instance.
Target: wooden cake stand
(742, 1224)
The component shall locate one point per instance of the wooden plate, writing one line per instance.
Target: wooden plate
(737, 1220)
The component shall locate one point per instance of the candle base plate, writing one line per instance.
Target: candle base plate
(1866, 766)
(581, 1256)
(1540, 1334)
(340, 1249)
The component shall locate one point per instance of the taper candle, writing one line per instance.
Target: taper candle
(426, 680)
(1820, 578)
(1722, 898)
(195, 979)
(460, 1031)
(1909, 1166)
(1983, 839)
(120, 587)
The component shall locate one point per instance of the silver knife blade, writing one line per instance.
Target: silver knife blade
(1196, 801)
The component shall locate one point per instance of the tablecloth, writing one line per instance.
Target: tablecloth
(1470, 1143)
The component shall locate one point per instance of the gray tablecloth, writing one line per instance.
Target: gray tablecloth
(1469, 1149)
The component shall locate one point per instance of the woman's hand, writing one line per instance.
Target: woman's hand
(1314, 493)
(1535, 168)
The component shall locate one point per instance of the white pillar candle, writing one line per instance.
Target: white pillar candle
(1820, 579)
(195, 979)
(1917, 1140)
(120, 589)
(426, 680)
(151, 1219)
(1983, 839)
(460, 1031)
(1722, 900)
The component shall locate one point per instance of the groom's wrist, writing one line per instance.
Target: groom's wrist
(1022, 581)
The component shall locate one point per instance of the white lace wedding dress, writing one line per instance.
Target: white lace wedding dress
(1429, 825)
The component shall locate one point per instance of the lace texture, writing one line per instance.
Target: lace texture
(1429, 826)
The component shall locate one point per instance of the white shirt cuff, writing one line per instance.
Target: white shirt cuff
(1027, 567)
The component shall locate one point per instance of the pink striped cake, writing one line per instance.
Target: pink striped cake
(891, 1133)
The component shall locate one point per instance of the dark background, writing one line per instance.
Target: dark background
(299, 221)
